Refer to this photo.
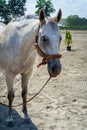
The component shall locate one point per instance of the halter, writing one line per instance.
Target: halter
(41, 53)
(45, 57)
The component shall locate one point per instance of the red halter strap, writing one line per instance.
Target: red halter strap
(45, 57)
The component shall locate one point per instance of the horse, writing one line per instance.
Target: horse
(17, 51)
(2, 27)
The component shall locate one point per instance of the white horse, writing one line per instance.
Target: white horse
(17, 51)
(2, 27)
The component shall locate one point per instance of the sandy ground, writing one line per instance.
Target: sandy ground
(62, 105)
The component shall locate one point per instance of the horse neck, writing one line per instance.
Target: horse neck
(27, 35)
(30, 30)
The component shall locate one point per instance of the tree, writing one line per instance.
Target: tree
(10, 9)
(75, 20)
(17, 8)
(4, 11)
(46, 5)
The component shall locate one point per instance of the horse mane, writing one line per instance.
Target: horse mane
(23, 21)
(27, 17)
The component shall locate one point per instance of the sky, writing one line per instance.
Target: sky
(69, 7)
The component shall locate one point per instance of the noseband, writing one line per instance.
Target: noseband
(41, 53)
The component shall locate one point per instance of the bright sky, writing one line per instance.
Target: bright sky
(69, 7)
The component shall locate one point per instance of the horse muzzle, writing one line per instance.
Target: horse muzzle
(54, 67)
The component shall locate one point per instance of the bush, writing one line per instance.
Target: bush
(73, 27)
(68, 38)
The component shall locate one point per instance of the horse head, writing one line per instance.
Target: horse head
(48, 42)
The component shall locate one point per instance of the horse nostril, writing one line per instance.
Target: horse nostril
(54, 68)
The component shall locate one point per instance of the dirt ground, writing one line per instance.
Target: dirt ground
(62, 105)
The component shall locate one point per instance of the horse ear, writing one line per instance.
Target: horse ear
(58, 17)
(42, 15)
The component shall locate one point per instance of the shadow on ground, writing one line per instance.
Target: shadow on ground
(19, 122)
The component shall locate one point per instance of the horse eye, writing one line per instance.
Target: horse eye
(44, 38)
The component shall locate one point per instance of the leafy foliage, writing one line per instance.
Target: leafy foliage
(17, 7)
(4, 11)
(46, 5)
(68, 38)
(75, 20)
(10, 9)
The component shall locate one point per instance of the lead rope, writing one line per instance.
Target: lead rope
(32, 96)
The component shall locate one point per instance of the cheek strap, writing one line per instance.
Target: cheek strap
(45, 57)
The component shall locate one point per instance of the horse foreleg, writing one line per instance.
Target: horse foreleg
(9, 80)
(24, 79)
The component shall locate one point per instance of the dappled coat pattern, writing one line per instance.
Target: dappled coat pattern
(17, 52)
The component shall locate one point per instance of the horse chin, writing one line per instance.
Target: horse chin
(54, 74)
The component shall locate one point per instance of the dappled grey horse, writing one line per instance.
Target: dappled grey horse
(17, 51)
